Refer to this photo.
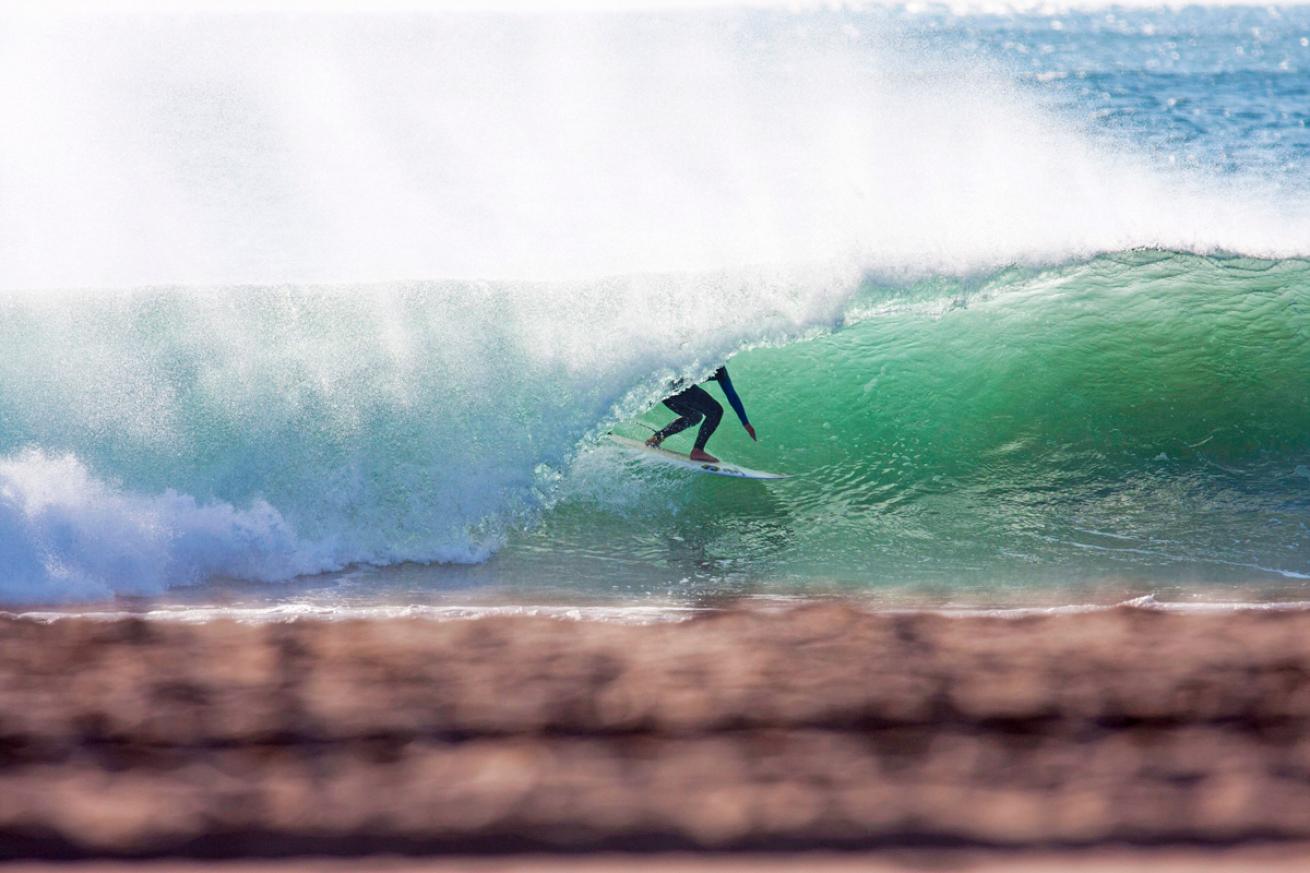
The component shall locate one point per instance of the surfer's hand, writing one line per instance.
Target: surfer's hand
(751, 430)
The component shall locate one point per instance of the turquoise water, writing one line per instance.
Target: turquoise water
(1021, 302)
(1140, 417)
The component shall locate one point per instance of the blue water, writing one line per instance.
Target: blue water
(1218, 89)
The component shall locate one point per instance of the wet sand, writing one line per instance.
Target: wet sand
(1098, 738)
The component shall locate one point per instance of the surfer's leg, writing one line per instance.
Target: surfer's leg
(713, 411)
(687, 412)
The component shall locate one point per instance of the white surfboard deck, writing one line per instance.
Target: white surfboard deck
(721, 468)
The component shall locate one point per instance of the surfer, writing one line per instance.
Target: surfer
(694, 403)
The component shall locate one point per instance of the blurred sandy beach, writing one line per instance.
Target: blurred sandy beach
(1194, 860)
(1117, 739)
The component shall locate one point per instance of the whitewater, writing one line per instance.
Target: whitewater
(315, 309)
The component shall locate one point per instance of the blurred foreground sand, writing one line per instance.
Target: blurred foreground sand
(1265, 859)
(1104, 741)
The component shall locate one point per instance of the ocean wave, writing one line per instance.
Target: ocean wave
(1144, 409)
(990, 337)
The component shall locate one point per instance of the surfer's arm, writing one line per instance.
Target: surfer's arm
(721, 376)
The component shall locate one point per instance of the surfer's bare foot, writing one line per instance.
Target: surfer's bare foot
(654, 442)
(702, 455)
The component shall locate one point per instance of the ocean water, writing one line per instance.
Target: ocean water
(311, 314)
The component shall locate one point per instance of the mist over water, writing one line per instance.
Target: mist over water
(291, 294)
(256, 149)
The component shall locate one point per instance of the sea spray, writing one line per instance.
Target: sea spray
(263, 149)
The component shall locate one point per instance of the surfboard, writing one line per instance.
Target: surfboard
(722, 468)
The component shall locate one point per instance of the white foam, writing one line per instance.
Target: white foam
(1146, 601)
(629, 614)
(66, 535)
(290, 612)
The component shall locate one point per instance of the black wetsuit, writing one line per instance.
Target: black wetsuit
(695, 403)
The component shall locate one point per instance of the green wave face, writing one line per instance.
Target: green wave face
(1142, 418)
